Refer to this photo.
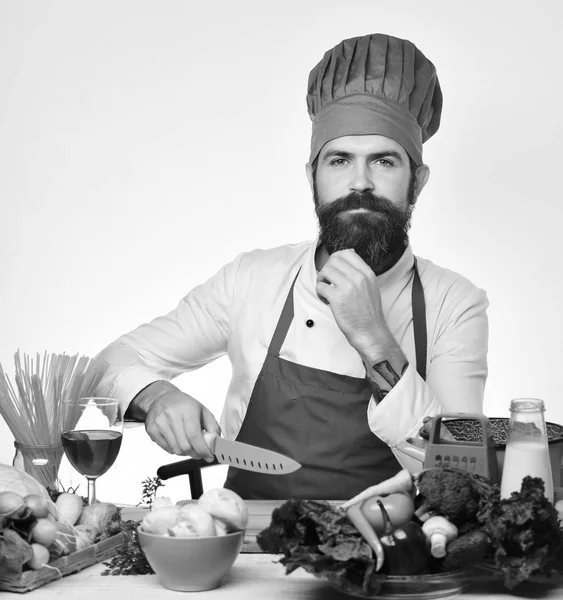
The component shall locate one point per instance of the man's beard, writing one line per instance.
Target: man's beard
(378, 234)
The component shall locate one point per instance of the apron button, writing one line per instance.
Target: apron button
(309, 322)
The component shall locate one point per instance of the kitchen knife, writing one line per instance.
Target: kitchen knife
(234, 454)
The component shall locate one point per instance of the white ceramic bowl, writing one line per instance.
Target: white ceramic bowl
(191, 564)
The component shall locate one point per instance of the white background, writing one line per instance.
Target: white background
(143, 144)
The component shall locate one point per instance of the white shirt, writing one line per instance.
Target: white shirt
(237, 310)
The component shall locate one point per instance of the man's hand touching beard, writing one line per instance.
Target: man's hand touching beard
(351, 289)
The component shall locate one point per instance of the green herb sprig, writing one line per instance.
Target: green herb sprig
(150, 487)
(131, 560)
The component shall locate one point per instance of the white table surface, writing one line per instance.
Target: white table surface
(252, 577)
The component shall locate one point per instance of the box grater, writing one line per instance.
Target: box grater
(475, 457)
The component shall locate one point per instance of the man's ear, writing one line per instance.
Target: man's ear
(420, 179)
(309, 172)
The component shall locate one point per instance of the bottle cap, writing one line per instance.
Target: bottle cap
(527, 405)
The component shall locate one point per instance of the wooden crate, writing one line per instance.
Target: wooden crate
(72, 563)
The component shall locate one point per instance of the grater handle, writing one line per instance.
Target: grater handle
(487, 432)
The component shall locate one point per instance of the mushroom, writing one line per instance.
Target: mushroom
(227, 506)
(439, 532)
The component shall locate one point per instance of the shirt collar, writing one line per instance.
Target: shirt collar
(402, 268)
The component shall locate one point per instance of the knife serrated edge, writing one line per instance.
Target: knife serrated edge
(253, 458)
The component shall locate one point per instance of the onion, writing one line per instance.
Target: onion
(38, 505)
(40, 557)
(44, 532)
(11, 504)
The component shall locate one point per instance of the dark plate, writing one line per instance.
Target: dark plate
(424, 587)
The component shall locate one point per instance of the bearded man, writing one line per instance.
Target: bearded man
(340, 347)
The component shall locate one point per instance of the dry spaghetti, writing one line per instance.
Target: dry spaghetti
(32, 406)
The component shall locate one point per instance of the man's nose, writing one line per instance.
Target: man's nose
(361, 179)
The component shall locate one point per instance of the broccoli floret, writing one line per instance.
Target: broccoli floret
(461, 497)
(465, 550)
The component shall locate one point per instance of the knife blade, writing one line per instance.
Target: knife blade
(250, 458)
(235, 454)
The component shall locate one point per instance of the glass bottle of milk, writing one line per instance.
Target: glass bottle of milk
(527, 450)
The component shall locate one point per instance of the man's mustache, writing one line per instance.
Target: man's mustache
(358, 200)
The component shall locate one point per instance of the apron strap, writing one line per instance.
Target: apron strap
(419, 323)
(418, 318)
(284, 322)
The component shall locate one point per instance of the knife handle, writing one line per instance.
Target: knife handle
(183, 467)
(210, 440)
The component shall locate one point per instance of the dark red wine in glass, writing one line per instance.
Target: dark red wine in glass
(92, 453)
(92, 435)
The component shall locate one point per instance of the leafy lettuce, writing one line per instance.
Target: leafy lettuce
(524, 533)
(320, 539)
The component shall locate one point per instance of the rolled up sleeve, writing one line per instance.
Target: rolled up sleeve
(456, 375)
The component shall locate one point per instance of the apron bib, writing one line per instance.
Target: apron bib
(318, 418)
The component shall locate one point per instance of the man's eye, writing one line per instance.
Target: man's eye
(338, 162)
(384, 162)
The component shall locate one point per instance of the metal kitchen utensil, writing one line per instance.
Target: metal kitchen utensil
(475, 457)
(234, 454)
(469, 431)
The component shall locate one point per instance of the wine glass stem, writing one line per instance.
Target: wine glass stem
(91, 490)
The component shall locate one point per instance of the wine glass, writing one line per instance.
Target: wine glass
(91, 437)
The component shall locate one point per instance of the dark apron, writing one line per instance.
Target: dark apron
(318, 418)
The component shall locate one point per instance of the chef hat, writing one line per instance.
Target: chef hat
(374, 84)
